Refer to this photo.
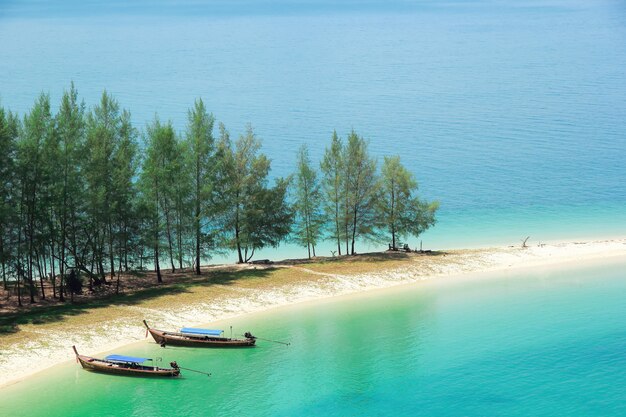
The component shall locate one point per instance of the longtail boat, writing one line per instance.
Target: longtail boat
(125, 365)
(193, 337)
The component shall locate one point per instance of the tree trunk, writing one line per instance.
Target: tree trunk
(337, 228)
(251, 254)
(2, 261)
(354, 227)
(126, 255)
(63, 221)
(347, 213)
(124, 247)
(392, 217)
(111, 257)
(169, 239)
(197, 218)
(307, 223)
(198, 272)
(120, 256)
(53, 277)
(117, 284)
(101, 269)
(19, 292)
(98, 249)
(71, 295)
(179, 239)
(41, 275)
(62, 250)
(20, 269)
(4, 276)
(238, 245)
(156, 261)
(31, 285)
(156, 234)
(141, 255)
(237, 232)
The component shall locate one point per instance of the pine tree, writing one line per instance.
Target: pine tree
(9, 125)
(37, 127)
(103, 136)
(158, 178)
(334, 190)
(254, 216)
(362, 190)
(403, 213)
(69, 205)
(202, 161)
(123, 204)
(308, 196)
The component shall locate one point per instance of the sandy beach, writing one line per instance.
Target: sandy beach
(50, 344)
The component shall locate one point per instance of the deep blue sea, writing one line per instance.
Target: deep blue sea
(511, 113)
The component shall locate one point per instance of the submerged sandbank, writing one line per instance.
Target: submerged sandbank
(50, 344)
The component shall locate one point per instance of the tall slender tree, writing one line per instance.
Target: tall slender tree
(9, 125)
(362, 190)
(37, 127)
(103, 136)
(123, 202)
(49, 206)
(201, 144)
(308, 197)
(158, 178)
(333, 185)
(182, 201)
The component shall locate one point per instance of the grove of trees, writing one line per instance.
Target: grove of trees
(85, 193)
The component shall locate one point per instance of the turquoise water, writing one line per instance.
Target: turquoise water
(540, 343)
(511, 113)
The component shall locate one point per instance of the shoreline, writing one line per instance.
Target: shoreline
(51, 346)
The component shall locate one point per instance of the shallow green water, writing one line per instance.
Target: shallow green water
(533, 343)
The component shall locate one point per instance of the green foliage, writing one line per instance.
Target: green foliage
(333, 186)
(123, 202)
(9, 126)
(308, 204)
(362, 191)
(402, 212)
(202, 166)
(79, 192)
(254, 216)
(36, 131)
(70, 206)
(158, 179)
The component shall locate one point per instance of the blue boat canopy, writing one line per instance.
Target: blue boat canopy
(129, 359)
(204, 332)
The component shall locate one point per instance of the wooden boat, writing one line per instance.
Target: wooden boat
(192, 337)
(125, 365)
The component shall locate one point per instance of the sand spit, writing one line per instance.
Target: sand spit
(49, 347)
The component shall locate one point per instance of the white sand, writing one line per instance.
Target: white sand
(21, 361)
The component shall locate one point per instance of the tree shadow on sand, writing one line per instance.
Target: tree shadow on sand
(135, 291)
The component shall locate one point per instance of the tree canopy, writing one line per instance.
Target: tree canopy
(86, 195)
